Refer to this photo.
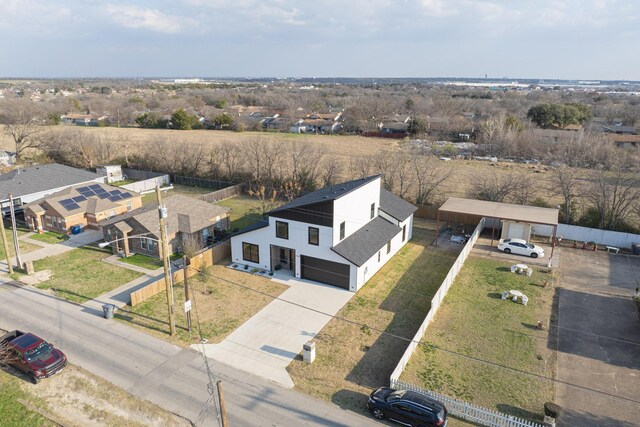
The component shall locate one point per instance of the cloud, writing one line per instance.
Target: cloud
(148, 19)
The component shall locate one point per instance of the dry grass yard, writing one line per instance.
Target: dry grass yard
(219, 306)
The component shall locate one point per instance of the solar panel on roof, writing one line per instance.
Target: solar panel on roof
(115, 197)
(71, 206)
(86, 193)
(66, 201)
(103, 195)
(79, 199)
(83, 189)
(101, 191)
(114, 192)
(126, 195)
(95, 187)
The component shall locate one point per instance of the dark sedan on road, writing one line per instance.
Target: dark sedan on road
(407, 407)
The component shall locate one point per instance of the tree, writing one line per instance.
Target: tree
(266, 197)
(613, 196)
(565, 184)
(561, 115)
(151, 121)
(223, 121)
(429, 175)
(495, 188)
(22, 123)
(182, 120)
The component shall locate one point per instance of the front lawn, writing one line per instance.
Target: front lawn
(474, 321)
(13, 413)
(144, 261)
(79, 275)
(50, 237)
(352, 360)
(219, 306)
(24, 246)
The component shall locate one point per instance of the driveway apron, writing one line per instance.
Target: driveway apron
(265, 344)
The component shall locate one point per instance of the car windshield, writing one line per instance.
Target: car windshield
(40, 353)
(530, 246)
(396, 395)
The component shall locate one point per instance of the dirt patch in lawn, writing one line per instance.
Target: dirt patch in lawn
(219, 305)
(353, 359)
(82, 399)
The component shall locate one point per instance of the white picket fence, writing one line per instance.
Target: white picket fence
(437, 300)
(469, 411)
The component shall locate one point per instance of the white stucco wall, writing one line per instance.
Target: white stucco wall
(354, 209)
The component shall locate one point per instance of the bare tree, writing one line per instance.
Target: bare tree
(266, 197)
(23, 124)
(331, 170)
(565, 184)
(495, 188)
(429, 175)
(614, 196)
(230, 157)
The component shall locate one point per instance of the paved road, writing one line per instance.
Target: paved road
(167, 375)
(598, 340)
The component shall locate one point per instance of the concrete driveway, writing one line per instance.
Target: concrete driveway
(265, 344)
(598, 339)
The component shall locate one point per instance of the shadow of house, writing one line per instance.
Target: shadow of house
(409, 301)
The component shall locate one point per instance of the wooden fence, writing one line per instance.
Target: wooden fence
(225, 193)
(205, 258)
(469, 411)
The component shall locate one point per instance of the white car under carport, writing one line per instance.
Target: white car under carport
(520, 247)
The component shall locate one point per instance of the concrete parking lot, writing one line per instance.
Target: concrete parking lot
(598, 339)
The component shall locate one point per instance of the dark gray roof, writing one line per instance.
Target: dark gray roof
(364, 243)
(35, 179)
(325, 194)
(395, 206)
(256, 226)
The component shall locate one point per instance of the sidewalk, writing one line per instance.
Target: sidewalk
(120, 296)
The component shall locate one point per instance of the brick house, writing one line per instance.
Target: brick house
(188, 219)
(83, 205)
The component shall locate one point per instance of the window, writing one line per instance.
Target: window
(282, 230)
(342, 230)
(373, 210)
(250, 252)
(129, 205)
(143, 244)
(389, 246)
(404, 232)
(314, 236)
(378, 256)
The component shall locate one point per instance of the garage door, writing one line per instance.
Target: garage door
(329, 272)
(516, 231)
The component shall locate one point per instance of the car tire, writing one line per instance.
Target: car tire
(33, 378)
(378, 413)
(507, 250)
(534, 255)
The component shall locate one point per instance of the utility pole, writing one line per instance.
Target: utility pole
(162, 215)
(15, 231)
(5, 244)
(187, 315)
(223, 409)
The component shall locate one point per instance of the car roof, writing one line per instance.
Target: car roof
(422, 400)
(516, 241)
(26, 341)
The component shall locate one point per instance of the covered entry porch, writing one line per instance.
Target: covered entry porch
(283, 259)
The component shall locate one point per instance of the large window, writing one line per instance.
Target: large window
(282, 230)
(314, 236)
(342, 230)
(373, 210)
(250, 252)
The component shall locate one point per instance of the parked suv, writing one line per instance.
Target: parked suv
(407, 407)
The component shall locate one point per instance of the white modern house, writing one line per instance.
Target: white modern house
(340, 235)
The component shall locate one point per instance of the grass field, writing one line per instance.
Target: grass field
(352, 360)
(144, 261)
(474, 321)
(220, 307)
(245, 210)
(24, 246)
(13, 413)
(50, 237)
(79, 275)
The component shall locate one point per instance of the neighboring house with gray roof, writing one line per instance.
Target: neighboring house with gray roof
(188, 219)
(340, 235)
(35, 182)
(83, 205)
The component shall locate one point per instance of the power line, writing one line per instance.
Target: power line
(424, 344)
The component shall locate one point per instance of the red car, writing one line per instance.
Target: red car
(31, 355)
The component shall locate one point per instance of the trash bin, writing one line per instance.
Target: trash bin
(635, 248)
(76, 229)
(108, 310)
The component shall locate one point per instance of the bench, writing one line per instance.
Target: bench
(613, 249)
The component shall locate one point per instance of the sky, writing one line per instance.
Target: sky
(547, 39)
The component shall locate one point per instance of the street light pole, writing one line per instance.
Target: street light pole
(162, 215)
